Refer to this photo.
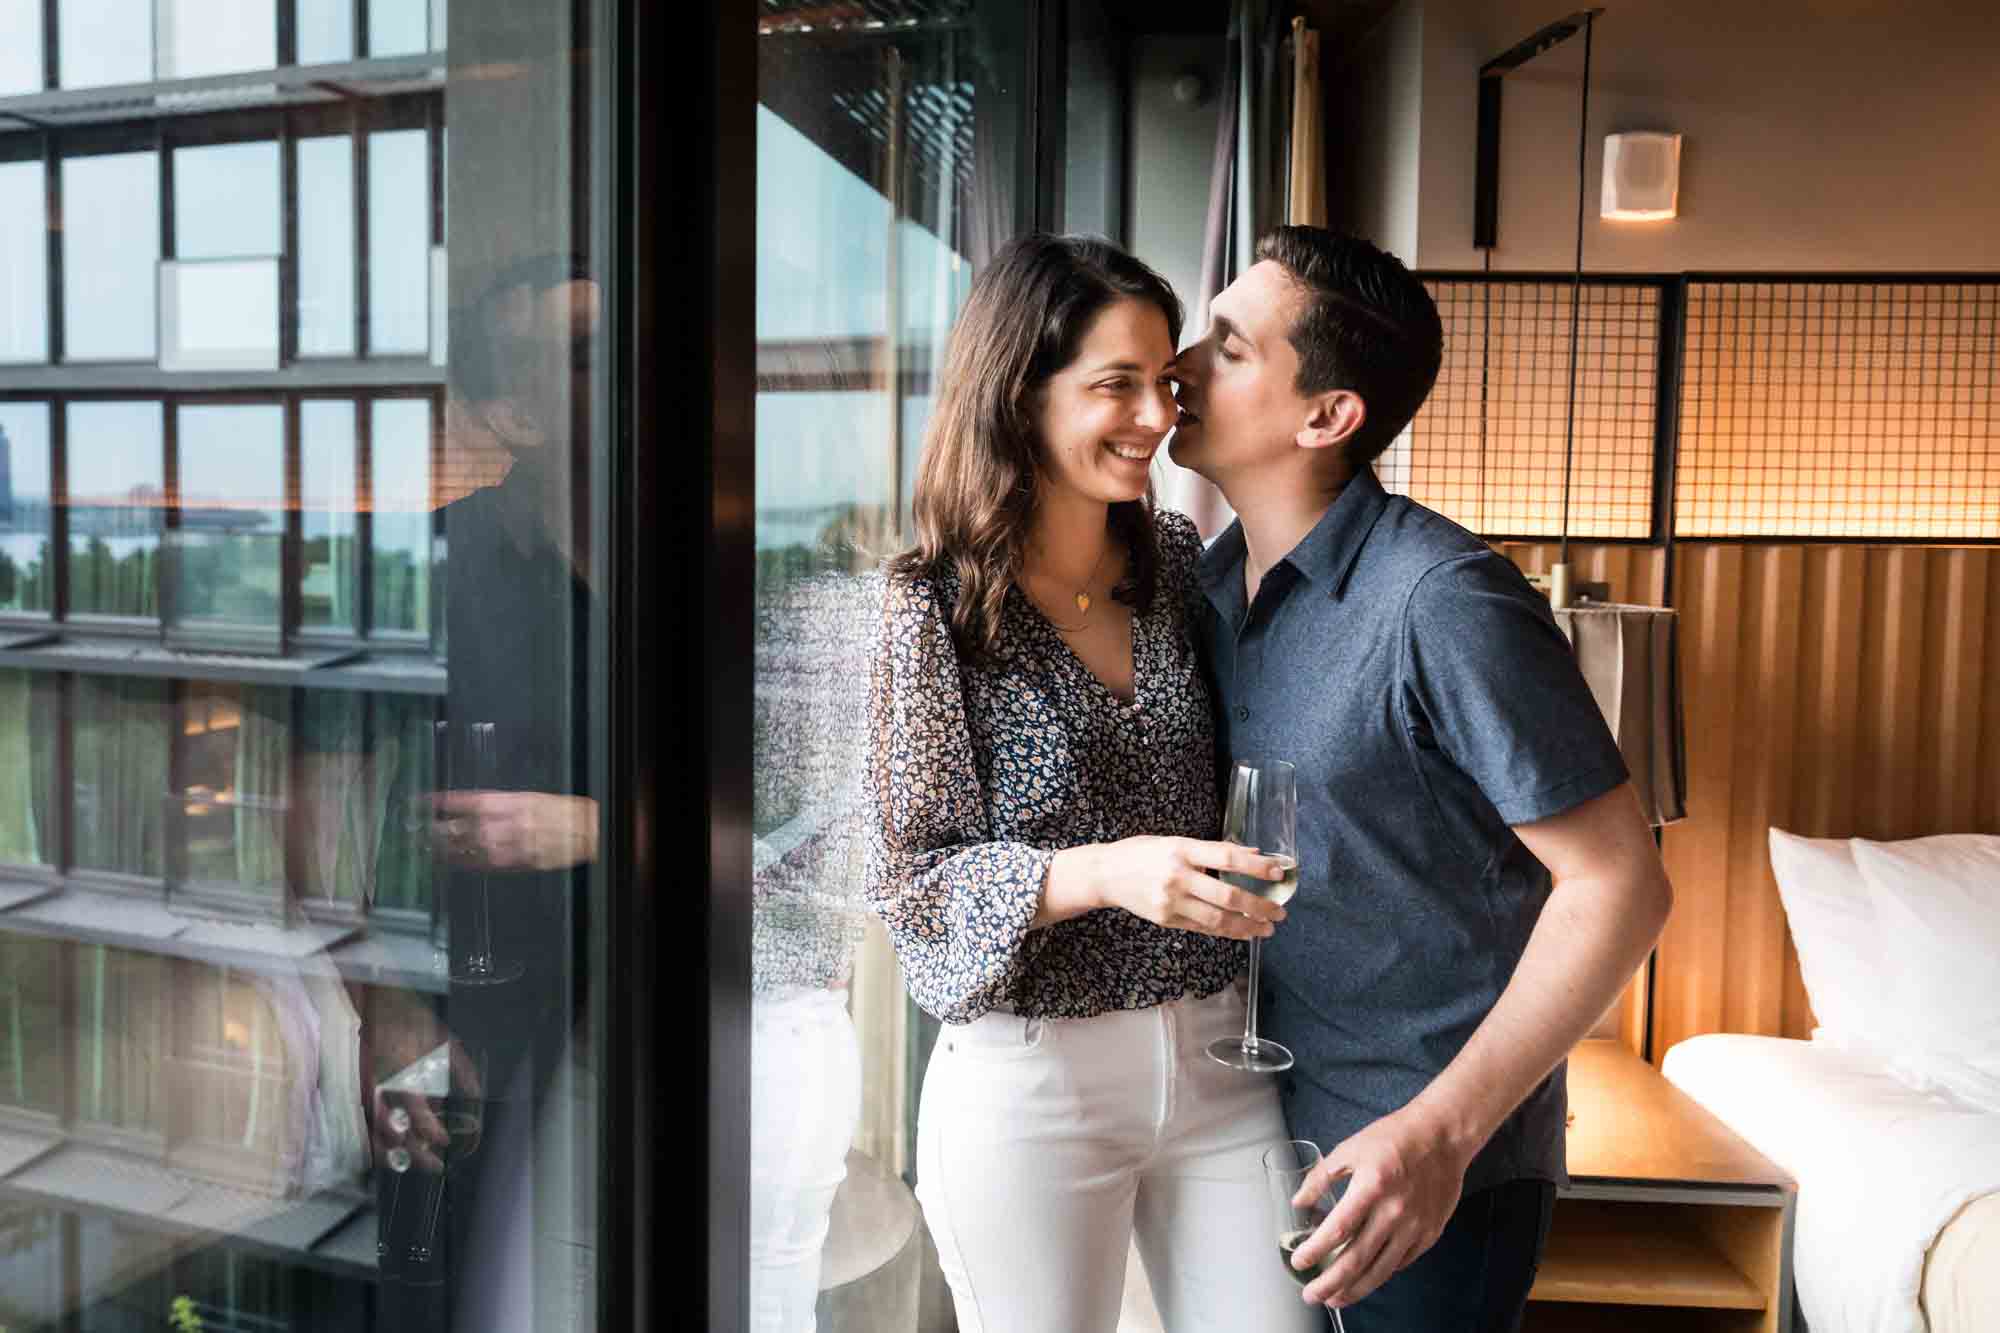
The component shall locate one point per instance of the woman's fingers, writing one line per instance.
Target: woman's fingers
(1231, 899)
(1232, 858)
(1196, 914)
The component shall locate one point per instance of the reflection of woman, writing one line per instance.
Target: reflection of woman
(1041, 790)
(806, 919)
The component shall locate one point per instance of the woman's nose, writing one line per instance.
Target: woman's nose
(1157, 409)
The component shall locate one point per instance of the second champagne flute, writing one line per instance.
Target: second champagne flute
(1262, 813)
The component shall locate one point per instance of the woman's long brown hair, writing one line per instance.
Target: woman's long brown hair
(974, 502)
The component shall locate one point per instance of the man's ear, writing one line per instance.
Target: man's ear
(1334, 420)
(510, 423)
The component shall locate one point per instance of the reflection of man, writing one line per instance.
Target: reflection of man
(515, 842)
(1476, 881)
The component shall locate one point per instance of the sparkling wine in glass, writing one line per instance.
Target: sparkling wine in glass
(1285, 1170)
(1262, 813)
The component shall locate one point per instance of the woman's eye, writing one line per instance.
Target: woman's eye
(1115, 386)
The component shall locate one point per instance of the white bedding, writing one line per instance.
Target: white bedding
(1881, 1168)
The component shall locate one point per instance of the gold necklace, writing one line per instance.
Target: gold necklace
(1082, 595)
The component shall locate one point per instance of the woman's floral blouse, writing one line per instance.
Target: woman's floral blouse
(979, 772)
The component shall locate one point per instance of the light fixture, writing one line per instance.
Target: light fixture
(1642, 177)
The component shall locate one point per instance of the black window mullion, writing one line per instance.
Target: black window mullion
(163, 150)
(52, 192)
(49, 51)
(364, 517)
(288, 32)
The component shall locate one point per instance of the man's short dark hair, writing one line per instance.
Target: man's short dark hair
(1367, 326)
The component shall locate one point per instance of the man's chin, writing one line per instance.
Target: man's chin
(1184, 452)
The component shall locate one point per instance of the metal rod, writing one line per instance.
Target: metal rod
(1576, 282)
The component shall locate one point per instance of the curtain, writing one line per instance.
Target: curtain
(403, 770)
(22, 839)
(1308, 170)
(118, 1038)
(263, 783)
(121, 774)
(1246, 197)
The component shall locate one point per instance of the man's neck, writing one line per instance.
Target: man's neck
(1277, 511)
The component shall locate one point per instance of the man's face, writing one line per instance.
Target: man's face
(1240, 405)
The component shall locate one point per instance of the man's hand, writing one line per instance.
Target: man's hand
(514, 830)
(1404, 1176)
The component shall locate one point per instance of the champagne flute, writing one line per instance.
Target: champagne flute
(466, 763)
(1285, 1170)
(462, 1128)
(1262, 812)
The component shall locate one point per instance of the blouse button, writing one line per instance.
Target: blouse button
(1242, 713)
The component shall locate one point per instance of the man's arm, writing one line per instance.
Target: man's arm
(1609, 901)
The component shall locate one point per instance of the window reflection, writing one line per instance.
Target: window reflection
(30, 801)
(21, 54)
(400, 504)
(330, 556)
(200, 37)
(226, 200)
(116, 490)
(119, 738)
(326, 246)
(229, 547)
(31, 1044)
(398, 27)
(103, 41)
(27, 564)
(108, 264)
(325, 31)
(120, 1023)
(233, 768)
(24, 263)
(399, 228)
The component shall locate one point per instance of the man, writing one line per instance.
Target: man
(1476, 881)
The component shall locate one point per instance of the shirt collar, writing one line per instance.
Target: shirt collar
(1325, 555)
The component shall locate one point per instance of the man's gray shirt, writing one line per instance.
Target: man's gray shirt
(1430, 702)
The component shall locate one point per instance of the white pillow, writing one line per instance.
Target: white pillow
(1938, 904)
(1833, 927)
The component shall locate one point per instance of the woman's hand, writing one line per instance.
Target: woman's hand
(514, 830)
(1164, 880)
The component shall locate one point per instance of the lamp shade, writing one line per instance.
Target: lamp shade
(1642, 177)
(1630, 657)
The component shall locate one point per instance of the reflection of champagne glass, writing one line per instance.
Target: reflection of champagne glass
(1262, 813)
(1285, 1169)
(461, 1129)
(465, 763)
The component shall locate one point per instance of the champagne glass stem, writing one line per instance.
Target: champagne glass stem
(1339, 1326)
(421, 1252)
(1250, 1013)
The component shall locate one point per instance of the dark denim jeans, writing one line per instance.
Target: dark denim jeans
(1476, 1278)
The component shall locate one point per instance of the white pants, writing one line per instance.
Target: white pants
(1044, 1146)
(805, 1097)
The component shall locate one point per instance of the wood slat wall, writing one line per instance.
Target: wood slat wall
(1835, 691)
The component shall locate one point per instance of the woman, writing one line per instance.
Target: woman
(1041, 794)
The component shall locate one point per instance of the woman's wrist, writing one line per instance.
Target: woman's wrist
(1071, 888)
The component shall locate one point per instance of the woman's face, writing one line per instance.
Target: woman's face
(1104, 415)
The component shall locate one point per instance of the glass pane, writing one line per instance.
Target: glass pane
(327, 497)
(31, 1262)
(226, 201)
(230, 543)
(117, 485)
(234, 767)
(24, 263)
(863, 261)
(21, 54)
(398, 27)
(27, 564)
(31, 1045)
(120, 740)
(199, 37)
(119, 1005)
(29, 798)
(109, 255)
(219, 314)
(399, 241)
(367, 766)
(326, 246)
(103, 41)
(325, 31)
(400, 500)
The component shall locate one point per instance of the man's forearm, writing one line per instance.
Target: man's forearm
(1592, 936)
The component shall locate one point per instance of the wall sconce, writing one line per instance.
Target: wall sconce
(1642, 177)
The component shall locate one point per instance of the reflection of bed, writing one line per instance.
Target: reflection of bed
(1899, 1190)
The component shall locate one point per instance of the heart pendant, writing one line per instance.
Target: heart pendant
(1083, 601)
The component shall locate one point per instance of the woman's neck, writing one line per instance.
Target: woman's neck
(1068, 539)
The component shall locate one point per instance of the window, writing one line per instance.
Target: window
(118, 1046)
(31, 1046)
(108, 263)
(399, 242)
(400, 507)
(401, 27)
(233, 770)
(200, 37)
(103, 42)
(229, 549)
(116, 492)
(24, 263)
(331, 556)
(325, 31)
(21, 54)
(326, 246)
(219, 298)
(30, 832)
(119, 733)
(27, 564)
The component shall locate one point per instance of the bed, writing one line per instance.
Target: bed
(1898, 1227)
(1889, 1118)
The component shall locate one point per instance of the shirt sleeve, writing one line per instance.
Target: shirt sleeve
(957, 903)
(1493, 681)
